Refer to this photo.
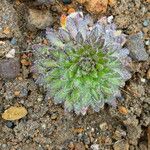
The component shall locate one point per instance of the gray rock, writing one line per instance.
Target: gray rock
(13, 41)
(146, 23)
(9, 68)
(8, 20)
(39, 19)
(86, 139)
(136, 46)
(10, 124)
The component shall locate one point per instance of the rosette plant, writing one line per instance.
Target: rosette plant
(85, 63)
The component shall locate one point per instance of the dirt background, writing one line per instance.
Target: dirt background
(46, 126)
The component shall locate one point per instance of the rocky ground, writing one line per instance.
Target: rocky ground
(46, 126)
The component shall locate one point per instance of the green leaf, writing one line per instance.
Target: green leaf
(95, 94)
(79, 73)
(55, 73)
(56, 84)
(75, 95)
(77, 82)
(115, 81)
(72, 71)
(49, 63)
(107, 90)
(99, 66)
(94, 74)
(68, 105)
(61, 95)
(48, 79)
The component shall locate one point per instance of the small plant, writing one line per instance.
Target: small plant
(85, 64)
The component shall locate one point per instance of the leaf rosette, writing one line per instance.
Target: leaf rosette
(85, 63)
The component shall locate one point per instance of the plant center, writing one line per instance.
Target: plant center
(87, 64)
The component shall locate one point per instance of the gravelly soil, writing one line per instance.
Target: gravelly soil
(46, 126)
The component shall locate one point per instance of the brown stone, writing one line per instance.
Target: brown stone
(79, 146)
(148, 74)
(121, 145)
(123, 110)
(39, 19)
(14, 113)
(112, 2)
(95, 6)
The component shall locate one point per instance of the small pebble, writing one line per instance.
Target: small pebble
(71, 10)
(148, 74)
(44, 126)
(10, 124)
(110, 19)
(79, 146)
(95, 147)
(9, 95)
(103, 126)
(71, 145)
(108, 141)
(119, 133)
(17, 93)
(11, 53)
(4, 145)
(92, 129)
(80, 135)
(147, 42)
(54, 116)
(6, 30)
(78, 130)
(22, 101)
(6, 17)
(23, 92)
(123, 110)
(143, 80)
(66, 1)
(40, 98)
(13, 41)
(146, 23)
